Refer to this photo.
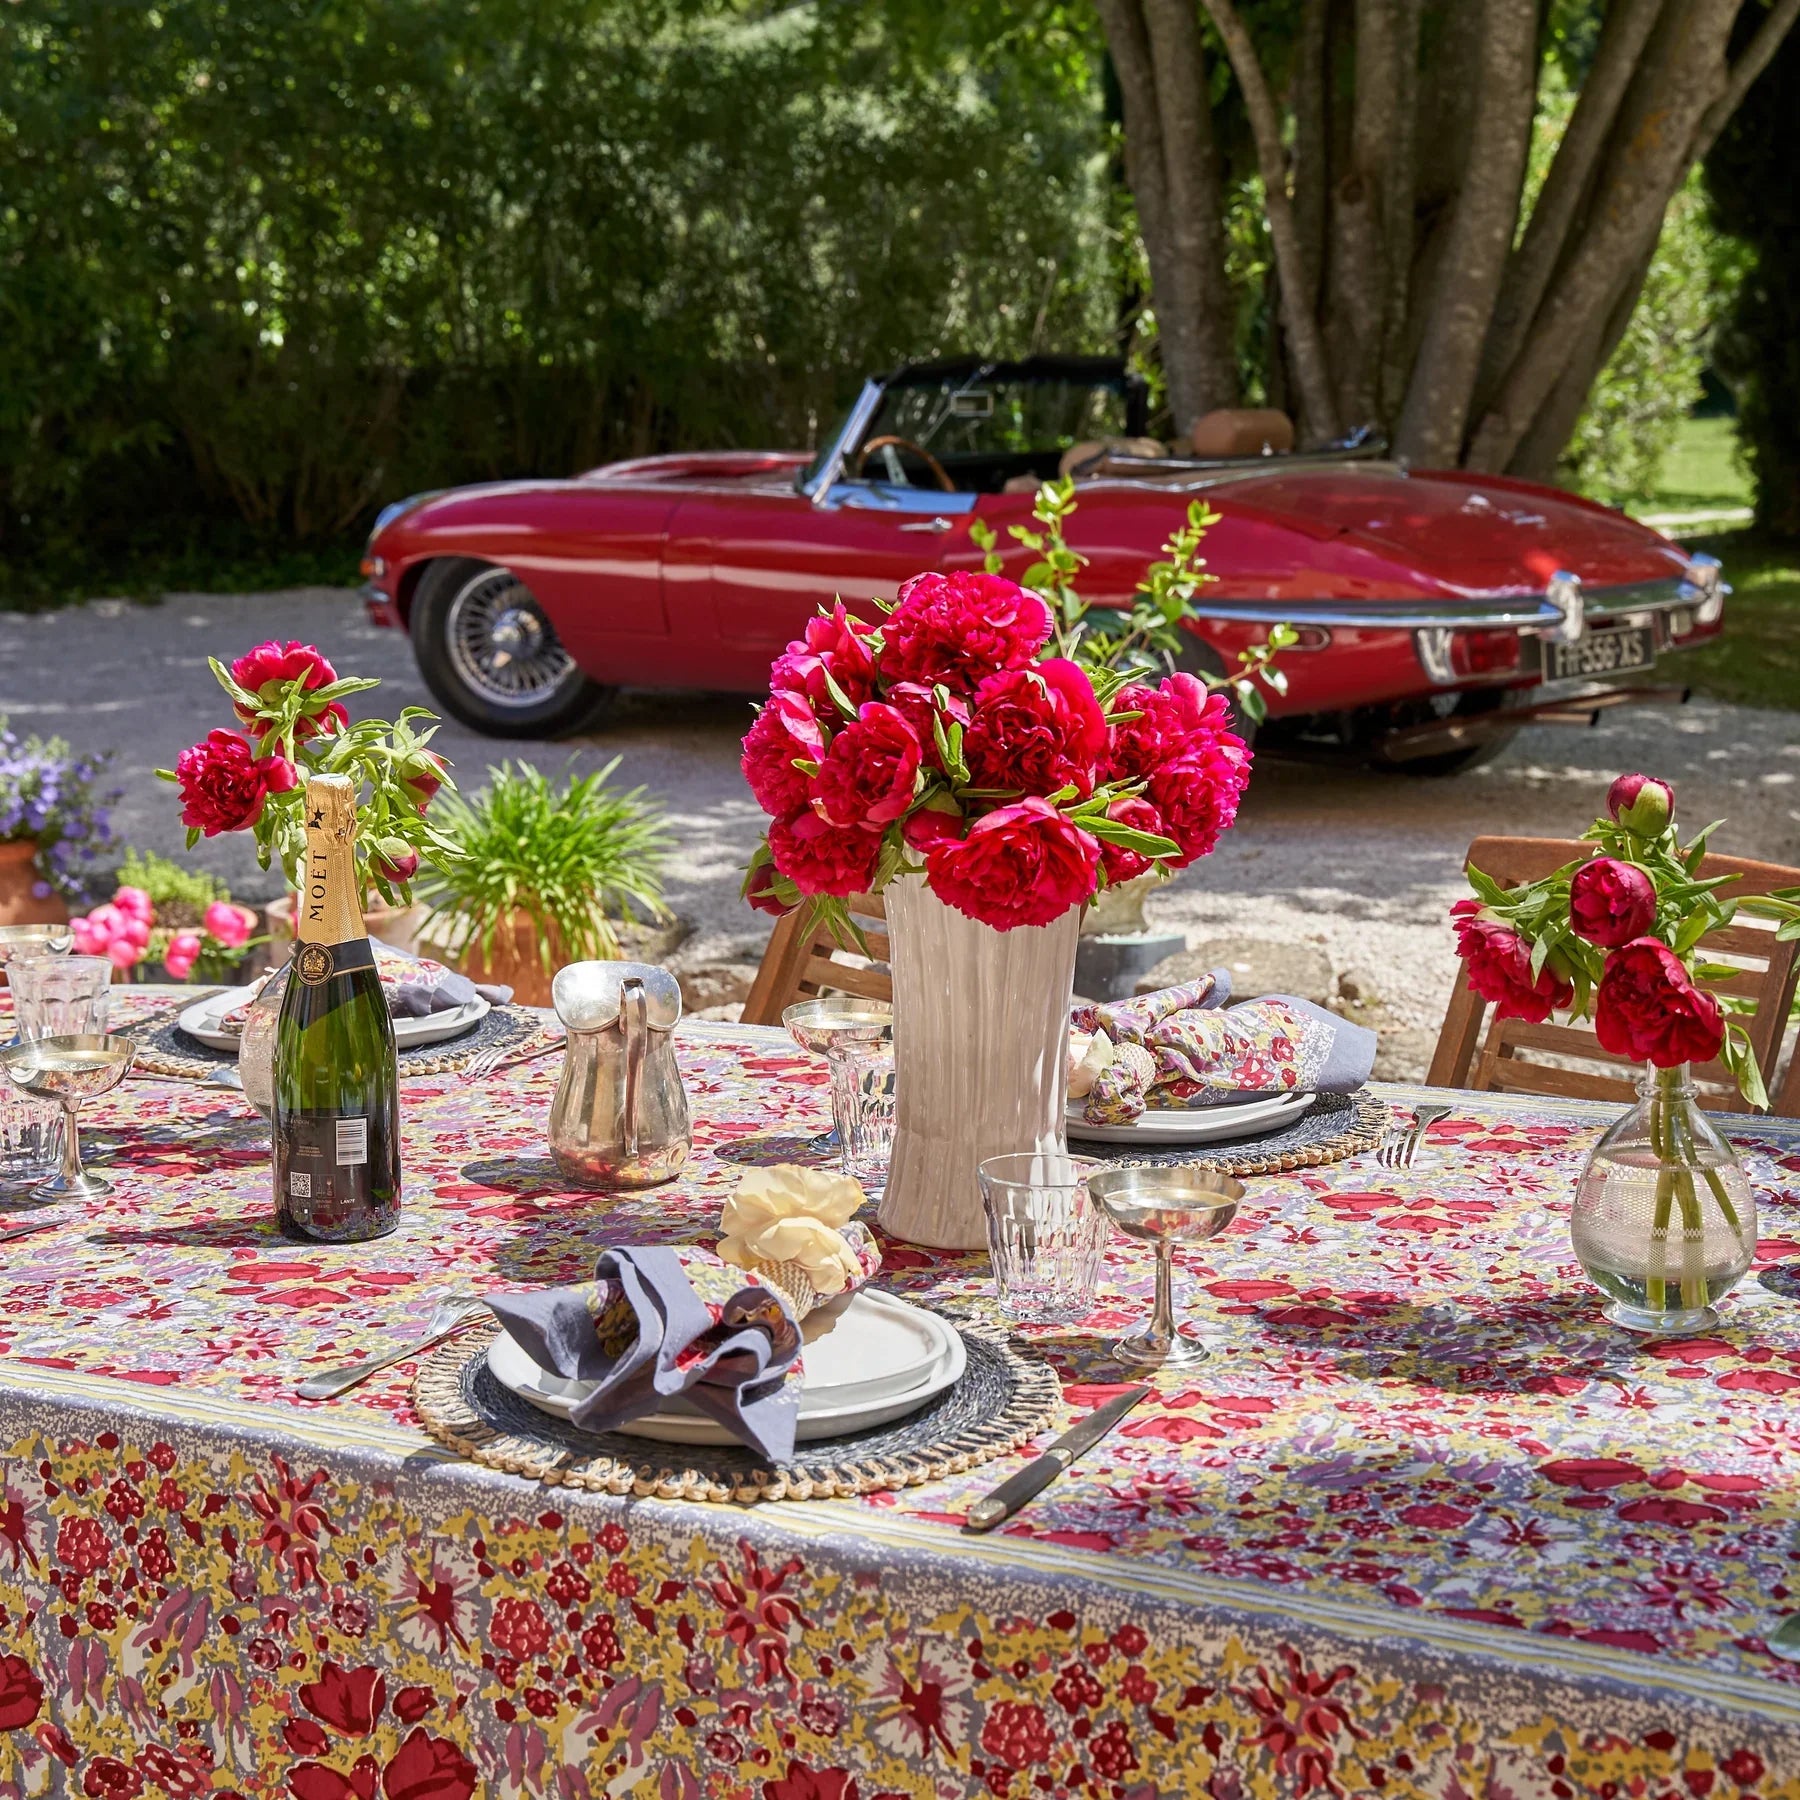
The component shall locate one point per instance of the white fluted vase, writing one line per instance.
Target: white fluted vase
(981, 1021)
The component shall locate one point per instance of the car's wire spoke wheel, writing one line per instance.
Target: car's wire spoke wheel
(501, 646)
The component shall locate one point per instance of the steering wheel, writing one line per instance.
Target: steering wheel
(899, 443)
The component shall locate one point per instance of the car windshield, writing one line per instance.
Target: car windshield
(987, 425)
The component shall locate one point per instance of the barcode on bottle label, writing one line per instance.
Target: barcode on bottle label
(300, 1186)
(352, 1142)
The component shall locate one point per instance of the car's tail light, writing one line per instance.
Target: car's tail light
(1450, 656)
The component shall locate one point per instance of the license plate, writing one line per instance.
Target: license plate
(1602, 653)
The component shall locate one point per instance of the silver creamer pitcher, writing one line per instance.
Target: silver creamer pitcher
(620, 1116)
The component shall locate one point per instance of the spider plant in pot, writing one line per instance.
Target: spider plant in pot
(547, 872)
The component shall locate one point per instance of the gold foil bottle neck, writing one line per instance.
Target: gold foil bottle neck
(328, 910)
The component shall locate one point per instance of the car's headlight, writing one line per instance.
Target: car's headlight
(1706, 576)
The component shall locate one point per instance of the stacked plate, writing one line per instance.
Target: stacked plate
(1219, 1123)
(869, 1359)
(204, 1021)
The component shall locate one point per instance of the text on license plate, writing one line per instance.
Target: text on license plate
(1602, 653)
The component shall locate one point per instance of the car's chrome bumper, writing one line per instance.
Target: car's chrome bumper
(1523, 612)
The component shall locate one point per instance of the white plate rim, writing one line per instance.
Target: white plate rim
(1198, 1125)
(199, 1021)
(943, 1372)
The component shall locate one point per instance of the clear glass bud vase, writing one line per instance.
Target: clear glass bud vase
(1664, 1222)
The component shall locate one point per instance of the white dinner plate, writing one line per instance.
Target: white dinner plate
(1196, 1124)
(869, 1359)
(201, 1022)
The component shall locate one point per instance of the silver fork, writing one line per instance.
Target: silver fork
(450, 1317)
(498, 1056)
(1399, 1148)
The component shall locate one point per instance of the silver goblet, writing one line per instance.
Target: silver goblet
(70, 1070)
(1165, 1207)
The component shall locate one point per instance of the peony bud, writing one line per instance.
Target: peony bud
(135, 904)
(1611, 902)
(229, 923)
(182, 954)
(395, 860)
(90, 940)
(123, 953)
(422, 776)
(1642, 804)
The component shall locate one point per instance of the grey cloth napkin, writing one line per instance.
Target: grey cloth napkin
(657, 1322)
(419, 999)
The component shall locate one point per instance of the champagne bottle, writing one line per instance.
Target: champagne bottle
(337, 1087)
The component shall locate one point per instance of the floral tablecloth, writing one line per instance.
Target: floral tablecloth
(1424, 1526)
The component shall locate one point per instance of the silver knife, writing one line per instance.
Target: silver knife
(1037, 1475)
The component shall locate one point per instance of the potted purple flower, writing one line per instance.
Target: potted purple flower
(53, 821)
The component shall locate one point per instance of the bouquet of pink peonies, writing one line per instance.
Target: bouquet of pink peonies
(1616, 938)
(289, 703)
(942, 741)
(126, 932)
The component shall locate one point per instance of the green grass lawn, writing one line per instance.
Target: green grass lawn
(1757, 659)
(1702, 469)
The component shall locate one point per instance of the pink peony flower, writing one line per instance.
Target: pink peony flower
(1611, 902)
(824, 859)
(271, 666)
(1197, 794)
(1648, 1008)
(1642, 804)
(1023, 864)
(224, 783)
(1137, 812)
(1499, 965)
(836, 644)
(182, 954)
(958, 629)
(133, 931)
(137, 904)
(229, 923)
(1035, 730)
(759, 891)
(1179, 715)
(123, 954)
(870, 772)
(928, 827)
(768, 764)
(90, 939)
(919, 707)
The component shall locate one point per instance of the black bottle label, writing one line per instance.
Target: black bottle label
(331, 1187)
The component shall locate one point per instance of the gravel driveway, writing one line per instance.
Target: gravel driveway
(1337, 877)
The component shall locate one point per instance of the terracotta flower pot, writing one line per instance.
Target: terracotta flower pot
(514, 962)
(396, 925)
(18, 874)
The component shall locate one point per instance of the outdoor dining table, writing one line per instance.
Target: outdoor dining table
(1423, 1525)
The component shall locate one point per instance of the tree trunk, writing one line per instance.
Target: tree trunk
(1683, 71)
(1173, 168)
(1442, 387)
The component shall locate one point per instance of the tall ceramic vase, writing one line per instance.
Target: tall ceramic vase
(981, 1021)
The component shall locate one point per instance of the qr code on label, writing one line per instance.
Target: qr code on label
(300, 1186)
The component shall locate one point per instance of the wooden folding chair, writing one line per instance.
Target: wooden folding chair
(803, 959)
(1767, 974)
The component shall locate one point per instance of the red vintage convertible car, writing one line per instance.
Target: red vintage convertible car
(1436, 611)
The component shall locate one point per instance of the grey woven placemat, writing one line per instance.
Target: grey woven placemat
(1333, 1127)
(1003, 1400)
(165, 1049)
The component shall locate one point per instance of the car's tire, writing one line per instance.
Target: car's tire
(1456, 762)
(491, 657)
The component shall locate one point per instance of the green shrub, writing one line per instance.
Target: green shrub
(265, 264)
(180, 895)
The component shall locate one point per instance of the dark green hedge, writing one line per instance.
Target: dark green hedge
(265, 264)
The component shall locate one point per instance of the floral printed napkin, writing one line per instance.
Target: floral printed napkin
(1183, 1048)
(720, 1329)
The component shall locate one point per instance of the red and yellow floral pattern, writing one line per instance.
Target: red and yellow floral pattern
(1425, 1526)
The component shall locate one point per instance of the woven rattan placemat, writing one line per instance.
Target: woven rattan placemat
(1003, 1400)
(165, 1049)
(1333, 1127)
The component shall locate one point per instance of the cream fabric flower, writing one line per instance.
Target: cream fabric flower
(1088, 1056)
(787, 1214)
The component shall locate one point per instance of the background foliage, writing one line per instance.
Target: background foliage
(267, 263)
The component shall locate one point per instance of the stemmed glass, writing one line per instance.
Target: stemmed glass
(34, 940)
(856, 1038)
(69, 1069)
(1164, 1207)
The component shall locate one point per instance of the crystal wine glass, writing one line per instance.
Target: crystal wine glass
(69, 1070)
(18, 941)
(856, 1038)
(1164, 1207)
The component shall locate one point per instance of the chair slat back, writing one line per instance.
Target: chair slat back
(804, 959)
(1466, 1057)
